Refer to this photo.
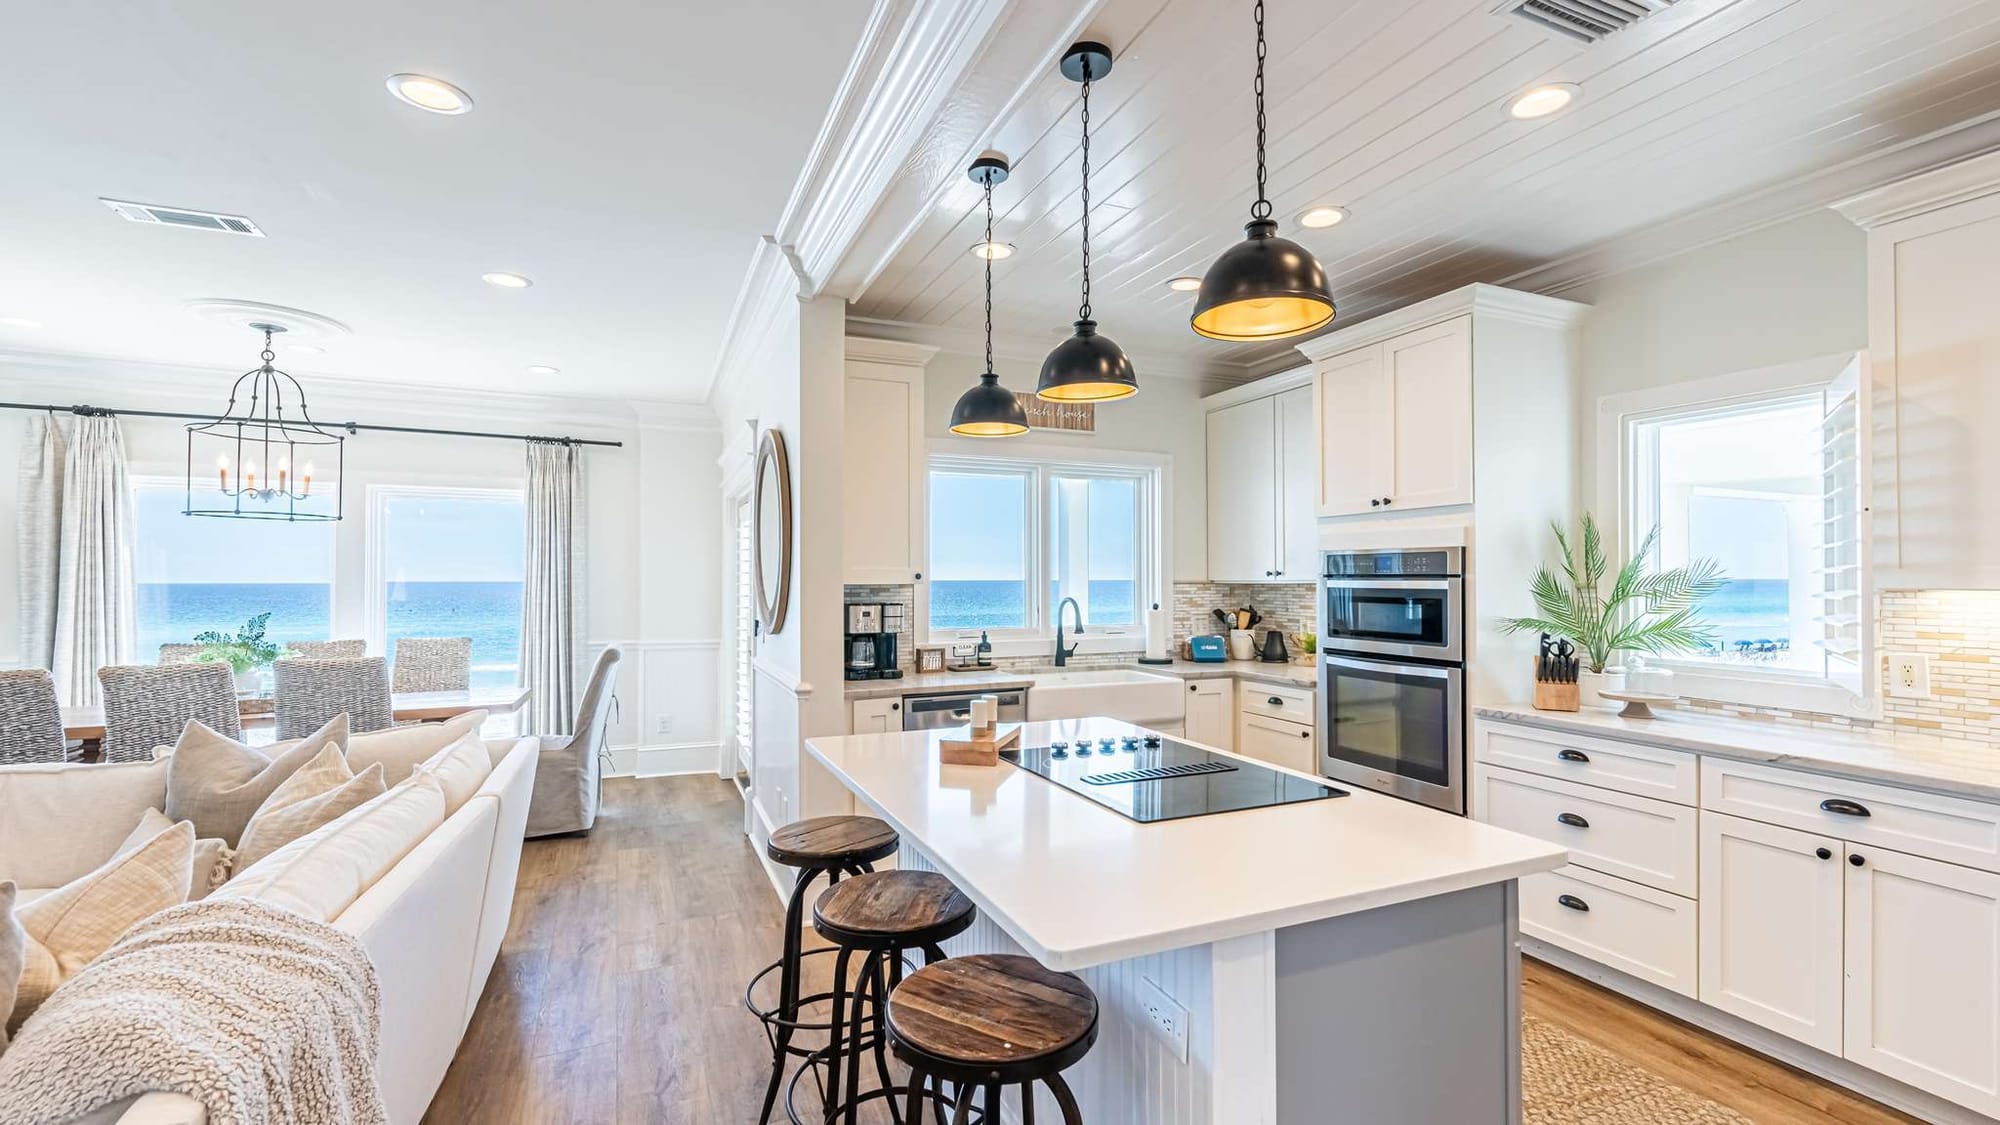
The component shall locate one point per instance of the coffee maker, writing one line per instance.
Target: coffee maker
(871, 641)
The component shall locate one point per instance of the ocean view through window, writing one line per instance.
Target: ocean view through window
(197, 574)
(451, 563)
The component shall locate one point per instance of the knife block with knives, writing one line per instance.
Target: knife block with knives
(1556, 670)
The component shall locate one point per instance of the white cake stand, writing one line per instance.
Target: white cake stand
(1638, 703)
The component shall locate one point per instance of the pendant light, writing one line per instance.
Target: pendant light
(1265, 287)
(264, 454)
(989, 409)
(1086, 367)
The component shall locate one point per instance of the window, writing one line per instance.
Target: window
(197, 573)
(1765, 482)
(1010, 540)
(449, 563)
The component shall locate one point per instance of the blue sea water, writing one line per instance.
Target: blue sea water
(1001, 604)
(1749, 609)
(488, 612)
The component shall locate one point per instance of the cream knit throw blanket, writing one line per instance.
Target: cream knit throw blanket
(260, 1014)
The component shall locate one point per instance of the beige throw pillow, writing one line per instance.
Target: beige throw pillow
(402, 749)
(460, 769)
(318, 793)
(219, 783)
(68, 928)
(13, 955)
(212, 857)
(322, 873)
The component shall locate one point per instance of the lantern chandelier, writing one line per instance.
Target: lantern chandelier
(260, 463)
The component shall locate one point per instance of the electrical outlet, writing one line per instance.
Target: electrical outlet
(1909, 675)
(1166, 1016)
(663, 726)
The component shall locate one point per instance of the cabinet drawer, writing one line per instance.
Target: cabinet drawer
(1643, 771)
(1276, 741)
(1293, 704)
(1635, 929)
(1636, 838)
(1925, 824)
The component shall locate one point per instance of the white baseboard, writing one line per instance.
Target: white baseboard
(1834, 1069)
(664, 760)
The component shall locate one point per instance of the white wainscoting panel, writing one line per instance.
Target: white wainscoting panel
(665, 722)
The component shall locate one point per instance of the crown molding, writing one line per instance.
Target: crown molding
(1022, 348)
(1927, 191)
(1484, 300)
(899, 352)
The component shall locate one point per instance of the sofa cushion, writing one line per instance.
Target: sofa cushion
(68, 928)
(318, 793)
(219, 783)
(402, 749)
(46, 838)
(212, 857)
(321, 873)
(460, 769)
(13, 954)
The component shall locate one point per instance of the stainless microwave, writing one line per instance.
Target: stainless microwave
(1394, 603)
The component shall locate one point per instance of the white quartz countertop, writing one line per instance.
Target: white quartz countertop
(998, 679)
(1077, 885)
(1960, 767)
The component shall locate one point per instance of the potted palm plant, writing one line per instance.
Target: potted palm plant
(1645, 610)
(246, 652)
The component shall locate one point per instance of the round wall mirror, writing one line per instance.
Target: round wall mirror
(773, 537)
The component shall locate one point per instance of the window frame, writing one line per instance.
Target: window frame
(1619, 417)
(375, 530)
(1039, 464)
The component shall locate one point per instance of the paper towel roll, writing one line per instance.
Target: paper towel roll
(1159, 633)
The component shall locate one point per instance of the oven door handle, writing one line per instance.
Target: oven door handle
(1388, 584)
(1423, 670)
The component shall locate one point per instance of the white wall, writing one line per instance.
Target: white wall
(653, 545)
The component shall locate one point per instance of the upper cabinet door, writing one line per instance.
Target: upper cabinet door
(1770, 948)
(1298, 474)
(1243, 493)
(1430, 376)
(882, 481)
(1355, 406)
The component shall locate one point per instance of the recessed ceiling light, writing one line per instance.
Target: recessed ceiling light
(1183, 284)
(18, 322)
(992, 251)
(1543, 100)
(505, 280)
(433, 94)
(1324, 215)
(543, 369)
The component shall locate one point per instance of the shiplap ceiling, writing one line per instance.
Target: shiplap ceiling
(1396, 111)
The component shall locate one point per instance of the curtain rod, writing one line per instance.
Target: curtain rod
(351, 427)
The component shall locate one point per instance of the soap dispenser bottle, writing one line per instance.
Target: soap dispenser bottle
(983, 654)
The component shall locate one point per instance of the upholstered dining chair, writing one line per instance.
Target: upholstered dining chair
(309, 692)
(568, 770)
(147, 705)
(173, 653)
(31, 728)
(326, 650)
(433, 664)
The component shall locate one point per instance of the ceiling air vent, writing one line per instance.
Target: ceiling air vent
(182, 217)
(1585, 21)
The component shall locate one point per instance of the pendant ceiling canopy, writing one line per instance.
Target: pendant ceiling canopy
(988, 409)
(1086, 367)
(1265, 287)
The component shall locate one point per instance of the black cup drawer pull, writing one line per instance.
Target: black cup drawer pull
(1276, 701)
(1571, 819)
(1573, 755)
(1844, 807)
(1574, 903)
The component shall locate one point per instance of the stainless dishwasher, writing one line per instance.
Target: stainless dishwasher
(931, 712)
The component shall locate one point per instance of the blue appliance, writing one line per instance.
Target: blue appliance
(1208, 648)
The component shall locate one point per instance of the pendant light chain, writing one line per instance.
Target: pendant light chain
(1083, 310)
(1262, 208)
(989, 275)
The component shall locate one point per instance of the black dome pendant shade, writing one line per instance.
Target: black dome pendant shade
(1086, 367)
(988, 409)
(1265, 287)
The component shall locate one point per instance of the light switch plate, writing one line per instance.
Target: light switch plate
(1166, 1015)
(1909, 675)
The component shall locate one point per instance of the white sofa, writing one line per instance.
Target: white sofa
(432, 924)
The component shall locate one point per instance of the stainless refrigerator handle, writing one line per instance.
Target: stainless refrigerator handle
(1393, 669)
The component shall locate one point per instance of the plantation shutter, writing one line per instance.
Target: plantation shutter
(1846, 610)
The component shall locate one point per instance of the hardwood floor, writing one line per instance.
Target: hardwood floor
(617, 995)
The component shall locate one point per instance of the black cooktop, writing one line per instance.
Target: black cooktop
(1151, 777)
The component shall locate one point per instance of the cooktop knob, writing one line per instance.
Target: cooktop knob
(1058, 750)
(1152, 742)
(1107, 743)
(1083, 749)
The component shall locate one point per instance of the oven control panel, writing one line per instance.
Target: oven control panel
(1443, 562)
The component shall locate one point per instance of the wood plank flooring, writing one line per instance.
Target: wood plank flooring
(617, 995)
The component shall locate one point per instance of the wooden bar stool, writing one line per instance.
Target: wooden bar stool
(881, 915)
(988, 1022)
(832, 846)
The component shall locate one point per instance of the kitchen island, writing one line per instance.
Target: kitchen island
(1349, 959)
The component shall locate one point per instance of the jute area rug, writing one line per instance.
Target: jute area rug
(1570, 1081)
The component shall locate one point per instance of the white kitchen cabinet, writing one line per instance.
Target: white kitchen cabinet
(1395, 422)
(1211, 713)
(883, 482)
(875, 716)
(1261, 465)
(1277, 741)
(1771, 919)
(1923, 974)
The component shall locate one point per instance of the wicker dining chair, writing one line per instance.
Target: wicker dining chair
(148, 705)
(173, 653)
(433, 663)
(31, 727)
(309, 692)
(326, 650)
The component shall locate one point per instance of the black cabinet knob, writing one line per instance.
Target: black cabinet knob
(1856, 860)
(1192, 687)
(919, 576)
(1573, 902)
(895, 707)
(1571, 819)
(1305, 734)
(1374, 503)
(1277, 574)
(1572, 755)
(1844, 807)
(1823, 853)
(1385, 501)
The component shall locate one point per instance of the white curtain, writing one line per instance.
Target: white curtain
(552, 606)
(40, 539)
(95, 595)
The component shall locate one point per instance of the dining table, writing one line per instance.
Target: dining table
(86, 724)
